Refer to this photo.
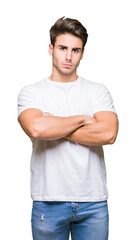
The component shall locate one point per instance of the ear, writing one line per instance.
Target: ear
(82, 54)
(50, 50)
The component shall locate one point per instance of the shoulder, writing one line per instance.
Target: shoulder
(32, 88)
(95, 86)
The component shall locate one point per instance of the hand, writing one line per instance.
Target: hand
(89, 120)
(46, 113)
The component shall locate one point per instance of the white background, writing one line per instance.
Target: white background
(110, 58)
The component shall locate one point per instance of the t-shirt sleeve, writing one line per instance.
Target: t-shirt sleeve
(103, 100)
(28, 98)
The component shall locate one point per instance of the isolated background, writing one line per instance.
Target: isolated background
(110, 58)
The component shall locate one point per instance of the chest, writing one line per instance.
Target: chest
(66, 101)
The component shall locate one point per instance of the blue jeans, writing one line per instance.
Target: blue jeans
(55, 220)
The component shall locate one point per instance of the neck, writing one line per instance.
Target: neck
(59, 77)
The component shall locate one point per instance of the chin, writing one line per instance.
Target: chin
(67, 73)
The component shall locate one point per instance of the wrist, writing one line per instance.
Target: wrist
(82, 120)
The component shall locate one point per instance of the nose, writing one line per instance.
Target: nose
(68, 55)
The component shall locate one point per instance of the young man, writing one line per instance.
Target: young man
(68, 119)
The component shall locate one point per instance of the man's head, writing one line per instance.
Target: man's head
(68, 39)
(68, 25)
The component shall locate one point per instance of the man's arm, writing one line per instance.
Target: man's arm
(49, 127)
(102, 131)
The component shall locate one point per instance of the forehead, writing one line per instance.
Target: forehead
(69, 40)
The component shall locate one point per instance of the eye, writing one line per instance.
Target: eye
(75, 50)
(62, 48)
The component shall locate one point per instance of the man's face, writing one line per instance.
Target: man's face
(66, 53)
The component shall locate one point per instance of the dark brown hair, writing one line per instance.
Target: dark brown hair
(67, 25)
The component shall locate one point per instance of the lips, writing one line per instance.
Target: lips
(67, 65)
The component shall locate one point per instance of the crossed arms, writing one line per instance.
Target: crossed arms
(100, 130)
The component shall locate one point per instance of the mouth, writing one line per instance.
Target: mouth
(67, 65)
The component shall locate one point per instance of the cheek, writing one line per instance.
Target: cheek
(58, 56)
(77, 59)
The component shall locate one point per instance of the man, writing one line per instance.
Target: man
(68, 119)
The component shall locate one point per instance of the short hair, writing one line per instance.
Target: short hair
(67, 25)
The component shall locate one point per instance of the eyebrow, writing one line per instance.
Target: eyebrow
(75, 48)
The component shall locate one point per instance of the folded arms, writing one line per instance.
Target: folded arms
(100, 130)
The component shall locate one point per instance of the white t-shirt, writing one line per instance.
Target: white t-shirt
(63, 170)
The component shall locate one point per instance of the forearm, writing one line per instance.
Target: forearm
(95, 134)
(48, 127)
